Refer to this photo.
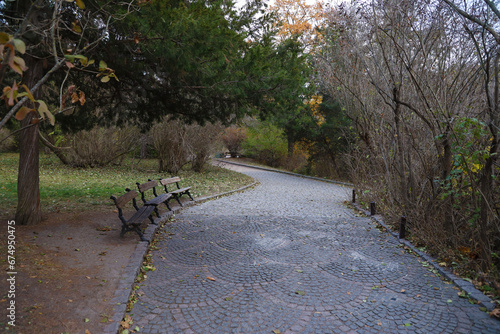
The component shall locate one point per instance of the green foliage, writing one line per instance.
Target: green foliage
(265, 142)
(199, 60)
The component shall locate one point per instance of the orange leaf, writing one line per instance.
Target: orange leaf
(82, 98)
(495, 313)
(210, 278)
(74, 97)
(21, 114)
(70, 65)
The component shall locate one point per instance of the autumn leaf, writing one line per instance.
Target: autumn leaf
(80, 4)
(18, 65)
(102, 65)
(495, 313)
(43, 110)
(19, 45)
(105, 78)
(276, 331)
(76, 27)
(210, 278)
(82, 98)
(74, 97)
(21, 114)
(4, 38)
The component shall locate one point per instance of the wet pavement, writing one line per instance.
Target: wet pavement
(288, 257)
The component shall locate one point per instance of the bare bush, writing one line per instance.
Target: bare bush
(426, 116)
(169, 140)
(201, 143)
(233, 138)
(93, 148)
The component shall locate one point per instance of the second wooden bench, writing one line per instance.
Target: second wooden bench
(175, 193)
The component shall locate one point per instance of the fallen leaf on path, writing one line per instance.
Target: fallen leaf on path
(495, 313)
(210, 278)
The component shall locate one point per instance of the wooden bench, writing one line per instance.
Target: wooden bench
(157, 199)
(134, 222)
(175, 193)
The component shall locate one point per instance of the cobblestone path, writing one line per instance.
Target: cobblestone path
(288, 257)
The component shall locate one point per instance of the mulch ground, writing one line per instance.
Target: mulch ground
(67, 270)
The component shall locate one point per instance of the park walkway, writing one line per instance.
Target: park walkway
(288, 257)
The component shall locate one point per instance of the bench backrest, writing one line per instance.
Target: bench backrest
(146, 186)
(124, 199)
(170, 180)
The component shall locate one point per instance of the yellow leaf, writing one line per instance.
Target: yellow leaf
(102, 65)
(105, 78)
(20, 46)
(28, 92)
(76, 27)
(112, 75)
(80, 4)
(4, 38)
(42, 108)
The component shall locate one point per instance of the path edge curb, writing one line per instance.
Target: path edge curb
(124, 289)
(288, 173)
(481, 299)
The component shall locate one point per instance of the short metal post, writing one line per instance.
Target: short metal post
(402, 228)
(354, 195)
(373, 212)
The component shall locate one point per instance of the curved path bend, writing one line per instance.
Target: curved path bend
(288, 257)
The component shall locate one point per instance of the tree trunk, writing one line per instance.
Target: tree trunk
(28, 192)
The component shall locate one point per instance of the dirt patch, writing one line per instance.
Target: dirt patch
(68, 268)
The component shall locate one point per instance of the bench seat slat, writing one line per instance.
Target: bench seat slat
(177, 191)
(158, 200)
(140, 215)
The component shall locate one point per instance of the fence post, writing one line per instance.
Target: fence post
(354, 195)
(372, 209)
(402, 228)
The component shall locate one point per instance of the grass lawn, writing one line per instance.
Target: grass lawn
(64, 188)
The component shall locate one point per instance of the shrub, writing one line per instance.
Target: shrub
(233, 138)
(266, 143)
(169, 138)
(201, 143)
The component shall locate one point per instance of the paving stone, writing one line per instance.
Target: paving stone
(288, 256)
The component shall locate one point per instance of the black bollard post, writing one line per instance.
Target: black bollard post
(402, 228)
(354, 195)
(372, 209)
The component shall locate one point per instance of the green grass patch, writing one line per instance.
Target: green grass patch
(63, 188)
